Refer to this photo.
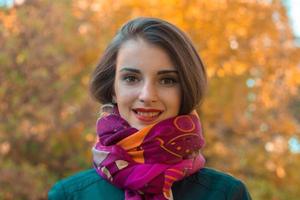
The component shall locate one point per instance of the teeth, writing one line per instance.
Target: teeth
(147, 114)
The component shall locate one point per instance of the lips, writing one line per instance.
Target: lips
(147, 115)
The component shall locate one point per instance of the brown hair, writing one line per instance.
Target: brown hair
(192, 74)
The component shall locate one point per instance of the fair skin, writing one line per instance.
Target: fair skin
(147, 88)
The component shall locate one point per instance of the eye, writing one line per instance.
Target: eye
(168, 81)
(130, 78)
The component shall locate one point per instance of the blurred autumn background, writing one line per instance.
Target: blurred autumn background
(251, 116)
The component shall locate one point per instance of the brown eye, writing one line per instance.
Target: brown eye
(130, 79)
(168, 81)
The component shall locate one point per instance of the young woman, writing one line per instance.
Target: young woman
(149, 80)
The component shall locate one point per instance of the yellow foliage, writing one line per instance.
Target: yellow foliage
(280, 172)
(234, 67)
(294, 76)
(9, 21)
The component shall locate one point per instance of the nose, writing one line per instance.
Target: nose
(148, 92)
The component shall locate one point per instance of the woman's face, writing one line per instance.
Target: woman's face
(147, 88)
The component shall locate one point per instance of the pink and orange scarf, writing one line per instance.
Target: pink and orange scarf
(145, 163)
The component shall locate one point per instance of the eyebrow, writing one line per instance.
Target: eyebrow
(165, 71)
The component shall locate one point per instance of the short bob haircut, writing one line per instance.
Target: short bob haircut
(192, 74)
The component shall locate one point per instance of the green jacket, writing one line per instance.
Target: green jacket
(207, 184)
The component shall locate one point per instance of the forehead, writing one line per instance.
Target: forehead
(138, 53)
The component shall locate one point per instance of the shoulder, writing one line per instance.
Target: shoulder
(83, 185)
(215, 179)
(213, 184)
(70, 185)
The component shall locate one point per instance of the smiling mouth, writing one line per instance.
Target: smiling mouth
(147, 115)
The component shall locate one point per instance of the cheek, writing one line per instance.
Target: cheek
(123, 102)
(124, 97)
(120, 93)
(173, 99)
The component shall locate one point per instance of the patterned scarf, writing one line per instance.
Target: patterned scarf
(145, 163)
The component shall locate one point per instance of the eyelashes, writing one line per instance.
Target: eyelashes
(168, 81)
(132, 79)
